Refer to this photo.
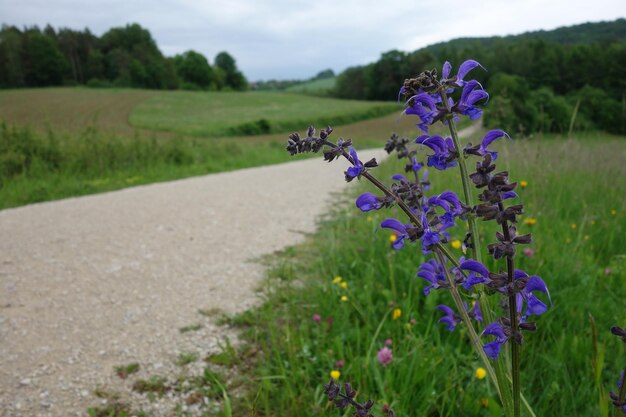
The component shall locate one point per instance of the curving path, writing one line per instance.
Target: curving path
(93, 282)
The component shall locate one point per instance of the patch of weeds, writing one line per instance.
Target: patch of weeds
(186, 358)
(190, 328)
(115, 409)
(210, 312)
(124, 370)
(104, 393)
(228, 357)
(155, 385)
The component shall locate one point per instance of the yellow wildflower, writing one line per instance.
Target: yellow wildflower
(336, 280)
(480, 373)
(573, 225)
(593, 222)
(523, 183)
(396, 313)
(335, 374)
(613, 212)
(344, 285)
(393, 238)
(369, 219)
(530, 221)
(456, 244)
(484, 402)
(344, 298)
(587, 237)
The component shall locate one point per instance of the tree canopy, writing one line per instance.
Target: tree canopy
(124, 57)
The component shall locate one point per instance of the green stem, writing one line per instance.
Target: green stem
(467, 194)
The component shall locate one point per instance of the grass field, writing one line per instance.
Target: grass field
(580, 252)
(227, 114)
(64, 142)
(317, 87)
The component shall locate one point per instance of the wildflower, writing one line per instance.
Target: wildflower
(607, 271)
(369, 219)
(402, 231)
(316, 318)
(335, 374)
(367, 202)
(357, 168)
(479, 274)
(445, 152)
(384, 356)
(492, 349)
(488, 139)
(344, 298)
(613, 212)
(523, 183)
(337, 280)
(484, 402)
(393, 238)
(528, 252)
(413, 322)
(449, 319)
(573, 225)
(340, 363)
(456, 244)
(469, 97)
(593, 222)
(388, 342)
(530, 221)
(396, 313)
(480, 373)
(344, 285)
(432, 271)
(425, 107)
(587, 237)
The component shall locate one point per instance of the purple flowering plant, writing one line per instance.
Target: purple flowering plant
(495, 306)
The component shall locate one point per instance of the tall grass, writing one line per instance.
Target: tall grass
(579, 252)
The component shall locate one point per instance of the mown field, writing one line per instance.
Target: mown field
(62, 142)
(576, 212)
(317, 87)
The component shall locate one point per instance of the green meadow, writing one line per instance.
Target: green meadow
(62, 142)
(575, 210)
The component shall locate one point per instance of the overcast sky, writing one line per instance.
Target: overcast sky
(298, 38)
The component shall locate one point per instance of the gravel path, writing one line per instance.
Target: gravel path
(90, 283)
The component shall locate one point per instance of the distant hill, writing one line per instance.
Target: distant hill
(585, 33)
(535, 79)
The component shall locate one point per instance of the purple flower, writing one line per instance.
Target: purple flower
(475, 312)
(464, 69)
(414, 165)
(357, 168)
(492, 349)
(491, 136)
(432, 272)
(316, 318)
(388, 342)
(449, 319)
(469, 97)
(445, 152)
(534, 306)
(618, 402)
(424, 106)
(399, 228)
(367, 202)
(384, 356)
(479, 274)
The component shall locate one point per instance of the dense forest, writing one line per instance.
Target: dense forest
(122, 57)
(539, 81)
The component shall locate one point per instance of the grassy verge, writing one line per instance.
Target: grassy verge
(579, 251)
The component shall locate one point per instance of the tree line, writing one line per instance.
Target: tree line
(539, 81)
(122, 57)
